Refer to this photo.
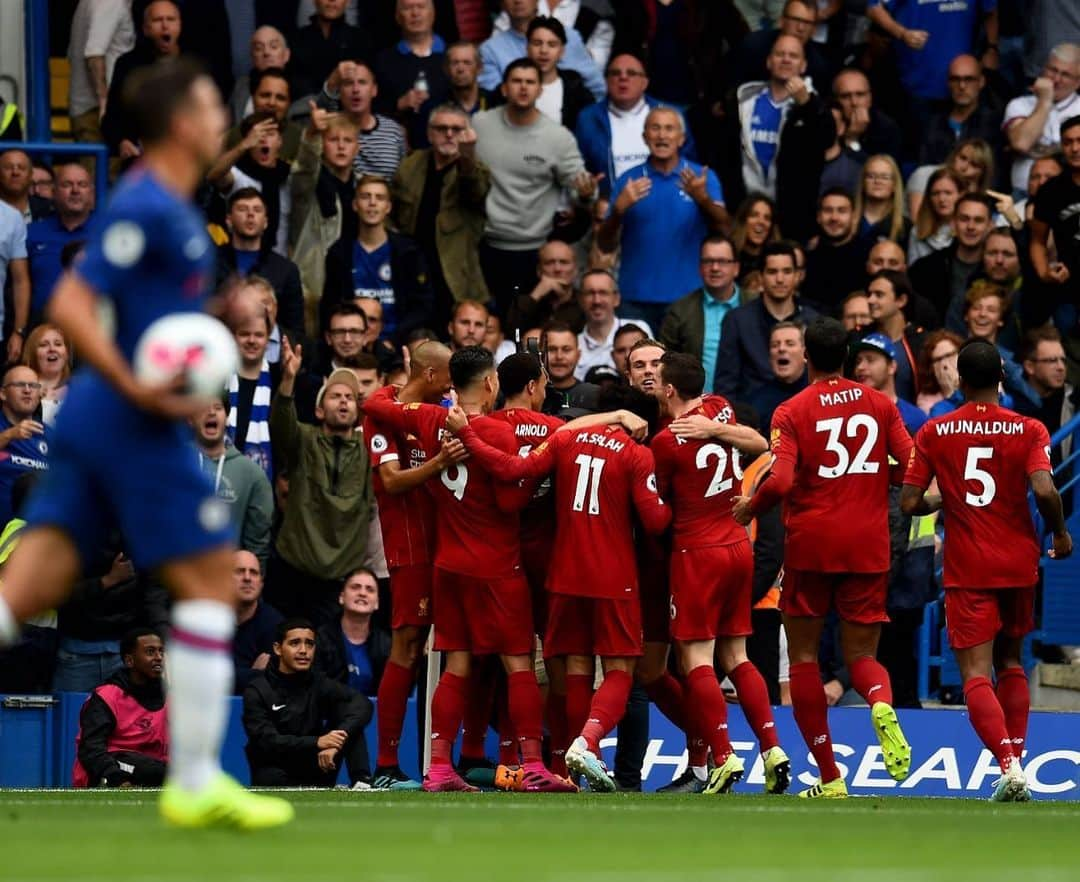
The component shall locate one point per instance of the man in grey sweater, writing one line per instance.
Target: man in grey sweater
(531, 159)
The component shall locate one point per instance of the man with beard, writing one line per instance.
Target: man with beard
(834, 265)
(347, 332)
(565, 392)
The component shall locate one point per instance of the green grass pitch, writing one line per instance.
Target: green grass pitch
(114, 836)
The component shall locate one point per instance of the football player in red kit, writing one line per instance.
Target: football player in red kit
(831, 448)
(602, 477)
(712, 570)
(984, 458)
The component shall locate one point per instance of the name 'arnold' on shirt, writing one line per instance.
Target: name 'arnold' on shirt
(981, 427)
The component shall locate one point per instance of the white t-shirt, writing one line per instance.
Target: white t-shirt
(98, 28)
(594, 352)
(1050, 138)
(628, 136)
(550, 101)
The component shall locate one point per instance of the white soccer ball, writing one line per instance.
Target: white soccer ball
(192, 344)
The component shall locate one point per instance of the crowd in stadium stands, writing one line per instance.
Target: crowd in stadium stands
(597, 181)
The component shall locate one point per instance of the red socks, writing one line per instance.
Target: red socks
(988, 719)
(394, 690)
(447, 709)
(607, 708)
(558, 731)
(526, 706)
(707, 698)
(754, 698)
(811, 715)
(579, 695)
(478, 707)
(1014, 698)
(870, 680)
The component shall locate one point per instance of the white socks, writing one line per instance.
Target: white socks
(9, 628)
(200, 669)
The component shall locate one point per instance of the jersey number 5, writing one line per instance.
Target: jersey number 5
(718, 484)
(983, 478)
(851, 428)
(588, 481)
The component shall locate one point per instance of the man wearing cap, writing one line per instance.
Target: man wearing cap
(324, 535)
(875, 366)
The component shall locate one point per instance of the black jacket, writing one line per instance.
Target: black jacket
(314, 57)
(281, 273)
(576, 97)
(286, 714)
(931, 277)
(833, 272)
(332, 659)
(883, 135)
(807, 133)
(938, 137)
(117, 125)
(408, 269)
(96, 724)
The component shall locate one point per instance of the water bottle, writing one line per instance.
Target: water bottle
(421, 84)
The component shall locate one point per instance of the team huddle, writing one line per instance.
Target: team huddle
(659, 472)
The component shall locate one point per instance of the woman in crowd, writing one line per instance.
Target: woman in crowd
(971, 160)
(754, 228)
(879, 202)
(938, 376)
(48, 353)
(933, 224)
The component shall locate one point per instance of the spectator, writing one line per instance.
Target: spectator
(495, 340)
(323, 536)
(250, 390)
(1042, 170)
(626, 338)
(42, 180)
(866, 128)
(270, 93)
(468, 324)
(611, 132)
(944, 276)
(256, 163)
(757, 121)
(834, 261)
(890, 294)
(563, 94)
(524, 193)
(249, 252)
(46, 238)
(438, 199)
(345, 336)
(592, 19)
(23, 440)
(1033, 122)
(300, 724)
(565, 392)
(238, 480)
(353, 650)
(599, 297)
(743, 364)
(269, 51)
(1055, 212)
(413, 72)
(320, 47)
(463, 68)
(161, 28)
(660, 212)
(123, 739)
(886, 254)
(256, 622)
(352, 87)
(263, 292)
(843, 161)
(101, 31)
(1001, 265)
(1043, 360)
(48, 355)
(16, 182)
(936, 368)
(875, 365)
(855, 311)
(799, 18)
(554, 297)
(753, 228)
(323, 189)
(787, 361)
(933, 229)
(972, 112)
(388, 267)
(879, 202)
(504, 46)
(693, 322)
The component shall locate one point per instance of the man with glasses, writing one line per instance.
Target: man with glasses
(866, 128)
(972, 112)
(611, 132)
(23, 439)
(1032, 122)
(1043, 359)
(345, 336)
(438, 199)
(798, 20)
(693, 322)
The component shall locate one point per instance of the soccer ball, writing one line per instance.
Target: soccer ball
(192, 344)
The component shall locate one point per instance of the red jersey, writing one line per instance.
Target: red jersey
(407, 519)
(831, 445)
(601, 478)
(982, 456)
(477, 524)
(699, 480)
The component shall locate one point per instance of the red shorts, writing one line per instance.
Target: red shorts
(978, 615)
(410, 596)
(711, 591)
(858, 597)
(491, 617)
(593, 626)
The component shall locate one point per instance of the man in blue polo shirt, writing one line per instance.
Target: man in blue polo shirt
(661, 211)
(24, 442)
(46, 238)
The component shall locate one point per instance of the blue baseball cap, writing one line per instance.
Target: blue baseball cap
(876, 342)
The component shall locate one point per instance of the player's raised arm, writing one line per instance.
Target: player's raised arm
(401, 417)
(506, 466)
(745, 439)
(1047, 498)
(636, 427)
(899, 444)
(655, 516)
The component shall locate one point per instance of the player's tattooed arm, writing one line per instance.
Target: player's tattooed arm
(914, 500)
